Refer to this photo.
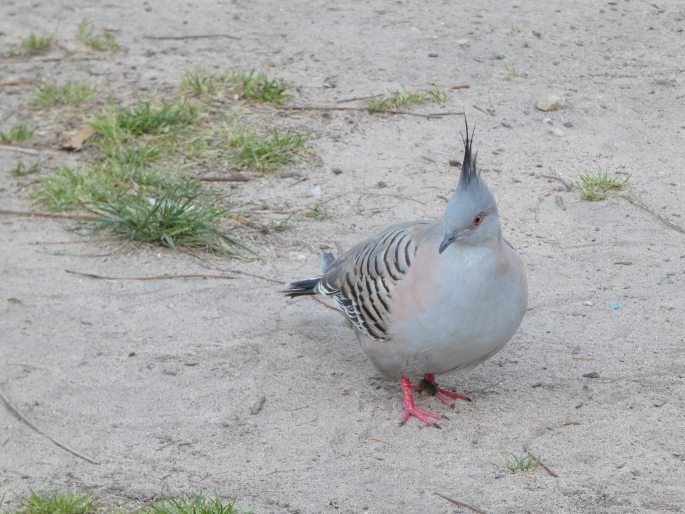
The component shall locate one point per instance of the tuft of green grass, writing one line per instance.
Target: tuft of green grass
(258, 87)
(18, 132)
(197, 505)
(405, 98)
(521, 464)
(318, 211)
(594, 186)
(59, 503)
(76, 188)
(33, 44)
(144, 118)
(101, 42)
(69, 93)
(201, 82)
(21, 169)
(183, 215)
(510, 72)
(263, 153)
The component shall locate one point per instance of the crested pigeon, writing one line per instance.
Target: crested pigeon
(430, 297)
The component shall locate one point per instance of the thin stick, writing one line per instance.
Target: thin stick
(18, 82)
(234, 177)
(20, 149)
(192, 36)
(356, 98)
(26, 420)
(149, 277)
(364, 109)
(545, 466)
(559, 178)
(461, 86)
(635, 200)
(42, 214)
(488, 387)
(459, 503)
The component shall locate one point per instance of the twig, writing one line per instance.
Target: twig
(545, 466)
(354, 99)
(234, 177)
(461, 86)
(364, 109)
(559, 178)
(192, 36)
(150, 277)
(635, 200)
(459, 503)
(488, 387)
(43, 214)
(53, 59)
(20, 149)
(18, 82)
(23, 418)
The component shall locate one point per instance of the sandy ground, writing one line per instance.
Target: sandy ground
(156, 380)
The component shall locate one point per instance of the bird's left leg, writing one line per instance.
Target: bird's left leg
(429, 387)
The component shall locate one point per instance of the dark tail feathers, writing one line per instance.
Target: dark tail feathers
(301, 287)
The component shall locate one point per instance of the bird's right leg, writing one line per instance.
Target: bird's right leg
(410, 409)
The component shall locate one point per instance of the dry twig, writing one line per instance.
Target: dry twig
(364, 109)
(22, 417)
(150, 277)
(459, 503)
(545, 467)
(192, 36)
(233, 177)
(636, 200)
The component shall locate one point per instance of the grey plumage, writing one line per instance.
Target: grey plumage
(432, 297)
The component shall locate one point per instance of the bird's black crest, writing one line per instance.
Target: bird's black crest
(468, 166)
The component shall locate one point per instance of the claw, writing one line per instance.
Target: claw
(410, 409)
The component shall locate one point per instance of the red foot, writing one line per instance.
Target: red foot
(444, 395)
(412, 410)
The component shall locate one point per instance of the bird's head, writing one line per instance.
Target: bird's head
(471, 214)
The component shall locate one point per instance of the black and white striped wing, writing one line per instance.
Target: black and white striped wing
(362, 280)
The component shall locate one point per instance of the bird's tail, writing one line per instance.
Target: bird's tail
(301, 287)
(308, 285)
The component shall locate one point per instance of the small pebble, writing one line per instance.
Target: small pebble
(536, 384)
(547, 121)
(257, 405)
(336, 171)
(132, 354)
(432, 54)
(592, 374)
(506, 124)
(568, 124)
(557, 132)
(549, 103)
(588, 303)
(171, 372)
(190, 363)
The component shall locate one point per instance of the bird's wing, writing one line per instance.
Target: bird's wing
(362, 280)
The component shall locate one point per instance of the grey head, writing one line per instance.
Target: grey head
(471, 214)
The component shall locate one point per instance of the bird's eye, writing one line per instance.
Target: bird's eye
(477, 220)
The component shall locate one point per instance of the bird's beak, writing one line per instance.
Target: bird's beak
(449, 239)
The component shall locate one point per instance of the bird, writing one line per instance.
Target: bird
(427, 298)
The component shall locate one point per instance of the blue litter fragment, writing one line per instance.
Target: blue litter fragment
(614, 306)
